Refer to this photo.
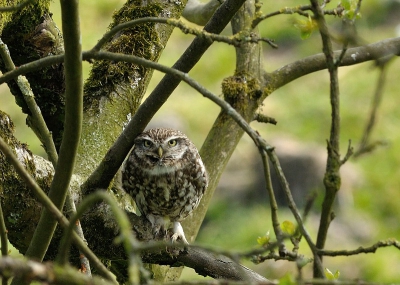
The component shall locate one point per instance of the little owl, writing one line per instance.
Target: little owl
(166, 177)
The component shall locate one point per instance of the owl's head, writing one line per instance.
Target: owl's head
(161, 151)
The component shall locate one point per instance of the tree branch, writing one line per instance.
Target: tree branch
(332, 177)
(356, 55)
(72, 129)
(207, 263)
(365, 145)
(371, 249)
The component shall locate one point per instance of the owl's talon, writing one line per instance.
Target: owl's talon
(178, 233)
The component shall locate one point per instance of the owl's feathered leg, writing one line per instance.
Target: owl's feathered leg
(178, 233)
(158, 224)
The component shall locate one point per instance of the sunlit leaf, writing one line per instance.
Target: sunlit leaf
(288, 228)
(264, 240)
(330, 276)
(350, 7)
(287, 280)
(346, 4)
(306, 27)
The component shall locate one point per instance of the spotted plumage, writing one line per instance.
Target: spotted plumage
(166, 177)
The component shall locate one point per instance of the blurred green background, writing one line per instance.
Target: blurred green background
(303, 113)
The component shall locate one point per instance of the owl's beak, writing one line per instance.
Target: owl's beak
(160, 151)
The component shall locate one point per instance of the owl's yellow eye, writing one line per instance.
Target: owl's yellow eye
(172, 143)
(147, 143)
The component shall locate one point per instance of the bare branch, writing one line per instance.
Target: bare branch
(332, 175)
(371, 249)
(292, 205)
(207, 263)
(264, 119)
(365, 145)
(72, 129)
(37, 119)
(296, 10)
(294, 70)
(274, 206)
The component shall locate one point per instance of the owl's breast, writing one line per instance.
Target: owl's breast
(172, 195)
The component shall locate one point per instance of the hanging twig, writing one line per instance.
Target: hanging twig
(272, 201)
(365, 144)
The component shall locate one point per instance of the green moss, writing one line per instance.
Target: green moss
(139, 40)
(30, 35)
(237, 89)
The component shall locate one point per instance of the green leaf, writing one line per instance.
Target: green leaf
(330, 276)
(287, 280)
(346, 4)
(306, 27)
(350, 7)
(264, 240)
(288, 228)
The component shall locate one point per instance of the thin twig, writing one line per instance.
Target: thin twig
(37, 118)
(365, 145)
(264, 119)
(292, 206)
(235, 40)
(273, 205)
(371, 249)
(72, 128)
(295, 10)
(332, 174)
(349, 32)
